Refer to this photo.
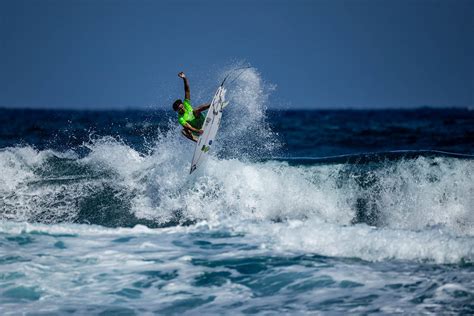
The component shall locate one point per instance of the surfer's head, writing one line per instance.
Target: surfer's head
(178, 106)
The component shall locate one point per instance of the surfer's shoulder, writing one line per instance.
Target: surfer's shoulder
(187, 104)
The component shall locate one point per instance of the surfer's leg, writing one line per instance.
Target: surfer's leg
(201, 119)
(186, 133)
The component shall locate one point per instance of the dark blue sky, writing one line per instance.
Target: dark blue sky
(319, 54)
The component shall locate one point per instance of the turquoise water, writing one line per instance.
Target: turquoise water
(200, 269)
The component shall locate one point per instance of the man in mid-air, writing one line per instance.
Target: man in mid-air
(192, 120)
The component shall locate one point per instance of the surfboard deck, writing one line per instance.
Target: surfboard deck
(210, 128)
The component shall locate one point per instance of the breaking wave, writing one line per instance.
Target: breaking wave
(391, 205)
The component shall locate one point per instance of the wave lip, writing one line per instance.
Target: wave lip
(371, 157)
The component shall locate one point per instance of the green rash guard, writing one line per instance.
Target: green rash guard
(188, 116)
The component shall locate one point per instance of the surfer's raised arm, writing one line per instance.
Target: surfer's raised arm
(187, 92)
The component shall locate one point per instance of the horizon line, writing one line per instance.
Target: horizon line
(151, 109)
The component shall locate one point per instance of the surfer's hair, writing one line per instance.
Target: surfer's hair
(176, 104)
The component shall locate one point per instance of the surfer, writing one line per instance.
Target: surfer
(191, 120)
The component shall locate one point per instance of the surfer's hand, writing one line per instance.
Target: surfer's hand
(182, 75)
(201, 131)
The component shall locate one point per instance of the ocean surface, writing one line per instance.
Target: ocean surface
(295, 212)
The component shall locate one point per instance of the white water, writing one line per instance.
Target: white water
(424, 206)
(426, 212)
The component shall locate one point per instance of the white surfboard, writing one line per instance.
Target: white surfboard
(210, 127)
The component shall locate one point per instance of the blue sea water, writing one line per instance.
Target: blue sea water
(296, 212)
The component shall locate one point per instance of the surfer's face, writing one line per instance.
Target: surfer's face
(181, 108)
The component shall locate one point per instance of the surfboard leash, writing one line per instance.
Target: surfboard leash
(237, 77)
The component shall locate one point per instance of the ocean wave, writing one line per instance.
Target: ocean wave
(114, 185)
(366, 205)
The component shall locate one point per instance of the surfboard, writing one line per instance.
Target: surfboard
(210, 127)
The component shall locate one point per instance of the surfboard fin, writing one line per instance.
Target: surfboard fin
(225, 104)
